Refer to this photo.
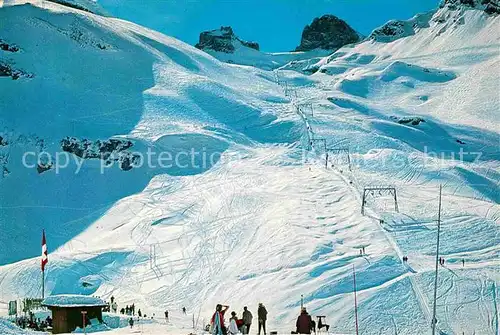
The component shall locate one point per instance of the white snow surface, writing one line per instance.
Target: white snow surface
(267, 222)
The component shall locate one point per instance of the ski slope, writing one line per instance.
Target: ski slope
(266, 221)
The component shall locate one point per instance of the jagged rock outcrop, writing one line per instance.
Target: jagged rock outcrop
(327, 32)
(396, 29)
(407, 120)
(7, 70)
(222, 40)
(110, 151)
(4, 46)
(491, 7)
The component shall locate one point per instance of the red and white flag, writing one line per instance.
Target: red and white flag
(45, 257)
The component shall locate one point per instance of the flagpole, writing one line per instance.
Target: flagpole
(43, 284)
(44, 261)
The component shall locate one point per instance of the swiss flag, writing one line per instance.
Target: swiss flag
(45, 257)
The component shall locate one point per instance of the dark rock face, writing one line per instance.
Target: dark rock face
(4, 46)
(327, 32)
(6, 70)
(222, 40)
(110, 151)
(492, 6)
(42, 167)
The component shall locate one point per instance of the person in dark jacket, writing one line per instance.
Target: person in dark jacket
(247, 319)
(304, 322)
(262, 313)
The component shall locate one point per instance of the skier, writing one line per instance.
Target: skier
(122, 311)
(132, 309)
(139, 313)
(131, 323)
(364, 251)
(463, 262)
(166, 316)
(127, 310)
(262, 314)
(218, 320)
(184, 310)
(247, 319)
(233, 326)
(304, 322)
(114, 306)
(112, 299)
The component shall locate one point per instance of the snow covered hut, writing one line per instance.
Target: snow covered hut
(67, 311)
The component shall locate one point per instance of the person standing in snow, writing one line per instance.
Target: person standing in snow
(304, 322)
(233, 326)
(131, 323)
(139, 313)
(218, 320)
(247, 319)
(463, 262)
(166, 316)
(262, 314)
(114, 306)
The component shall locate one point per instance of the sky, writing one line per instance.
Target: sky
(275, 24)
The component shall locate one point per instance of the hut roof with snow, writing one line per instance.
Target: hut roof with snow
(72, 300)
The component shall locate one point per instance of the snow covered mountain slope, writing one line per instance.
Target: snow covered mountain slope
(95, 78)
(265, 221)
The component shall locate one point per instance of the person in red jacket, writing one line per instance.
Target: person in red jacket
(304, 322)
(218, 320)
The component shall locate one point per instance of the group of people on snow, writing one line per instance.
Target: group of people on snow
(237, 325)
(304, 325)
(33, 323)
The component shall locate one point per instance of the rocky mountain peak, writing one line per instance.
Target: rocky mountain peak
(327, 32)
(222, 40)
